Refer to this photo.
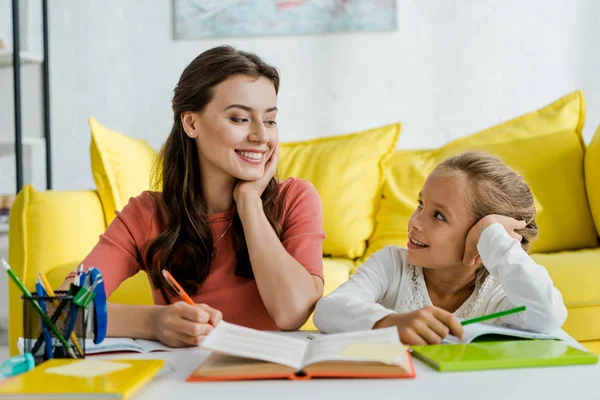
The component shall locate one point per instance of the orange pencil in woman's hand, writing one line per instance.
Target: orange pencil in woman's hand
(171, 281)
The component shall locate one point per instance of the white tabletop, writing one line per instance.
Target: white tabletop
(570, 382)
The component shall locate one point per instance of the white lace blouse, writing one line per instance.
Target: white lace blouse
(387, 283)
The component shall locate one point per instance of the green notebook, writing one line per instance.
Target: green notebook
(499, 355)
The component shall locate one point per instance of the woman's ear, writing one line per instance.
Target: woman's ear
(188, 121)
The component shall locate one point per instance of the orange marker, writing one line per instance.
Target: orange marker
(171, 281)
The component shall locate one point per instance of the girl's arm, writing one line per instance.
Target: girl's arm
(355, 304)
(287, 287)
(523, 283)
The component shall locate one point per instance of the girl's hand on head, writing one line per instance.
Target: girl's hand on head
(183, 325)
(471, 257)
(257, 187)
(429, 325)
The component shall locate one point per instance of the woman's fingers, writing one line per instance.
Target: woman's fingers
(192, 313)
(215, 316)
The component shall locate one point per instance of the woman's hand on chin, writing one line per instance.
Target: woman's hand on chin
(257, 187)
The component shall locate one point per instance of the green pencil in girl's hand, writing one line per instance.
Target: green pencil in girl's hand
(38, 308)
(493, 315)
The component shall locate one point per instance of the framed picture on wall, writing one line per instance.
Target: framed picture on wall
(197, 19)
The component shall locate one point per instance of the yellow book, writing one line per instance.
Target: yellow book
(81, 379)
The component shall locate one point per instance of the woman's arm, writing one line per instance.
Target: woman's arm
(132, 321)
(354, 306)
(118, 257)
(176, 325)
(523, 283)
(286, 287)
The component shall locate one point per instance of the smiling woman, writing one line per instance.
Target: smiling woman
(245, 246)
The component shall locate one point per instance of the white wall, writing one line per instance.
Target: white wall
(453, 67)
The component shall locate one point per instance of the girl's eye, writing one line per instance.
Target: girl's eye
(238, 120)
(439, 216)
(420, 204)
(271, 123)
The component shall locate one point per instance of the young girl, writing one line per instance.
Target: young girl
(244, 246)
(466, 257)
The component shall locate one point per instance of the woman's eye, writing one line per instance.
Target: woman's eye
(271, 123)
(439, 216)
(420, 204)
(239, 120)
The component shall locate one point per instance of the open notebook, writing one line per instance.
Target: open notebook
(115, 345)
(240, 353)
(480, 332)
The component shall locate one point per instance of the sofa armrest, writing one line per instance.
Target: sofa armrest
(48, 230)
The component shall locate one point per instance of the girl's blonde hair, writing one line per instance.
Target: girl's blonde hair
(496, 189)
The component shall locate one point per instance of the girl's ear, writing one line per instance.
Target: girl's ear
(472, 261)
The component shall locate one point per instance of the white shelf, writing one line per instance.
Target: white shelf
(6, 58)
(3, 228)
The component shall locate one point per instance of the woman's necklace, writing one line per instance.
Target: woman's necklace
(219, 239)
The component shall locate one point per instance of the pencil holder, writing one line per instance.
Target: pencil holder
(64, 338)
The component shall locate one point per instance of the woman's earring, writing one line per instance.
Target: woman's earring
(192, 134)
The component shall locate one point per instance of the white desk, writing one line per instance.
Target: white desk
(561, 383)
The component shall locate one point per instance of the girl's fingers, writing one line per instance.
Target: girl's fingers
(515, 235)
(450, 321)
(411, 338)
(438, 327)
(425, 332)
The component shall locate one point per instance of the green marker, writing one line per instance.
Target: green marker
(37, 307)
(494, 315)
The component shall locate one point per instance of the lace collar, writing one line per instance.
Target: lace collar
(414, 293)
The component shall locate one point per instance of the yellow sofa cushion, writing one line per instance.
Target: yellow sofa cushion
(546, 146)
(592, 177)
(577, 275)
(346, 171)
(121, 167)
(336, 271)
(48, 230)
(593, 346)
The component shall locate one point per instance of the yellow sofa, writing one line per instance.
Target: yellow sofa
(368, 191)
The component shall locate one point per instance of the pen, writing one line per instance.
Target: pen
(37, 308)
(45, 331)
(46, 285)
(493, 315)
(173, 283)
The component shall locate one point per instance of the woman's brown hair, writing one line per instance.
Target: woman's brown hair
(497, 189)
(185, 247)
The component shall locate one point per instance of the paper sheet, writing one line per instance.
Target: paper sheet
(385, 353)
(249, 343)
(329, 347)
(88, 368)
